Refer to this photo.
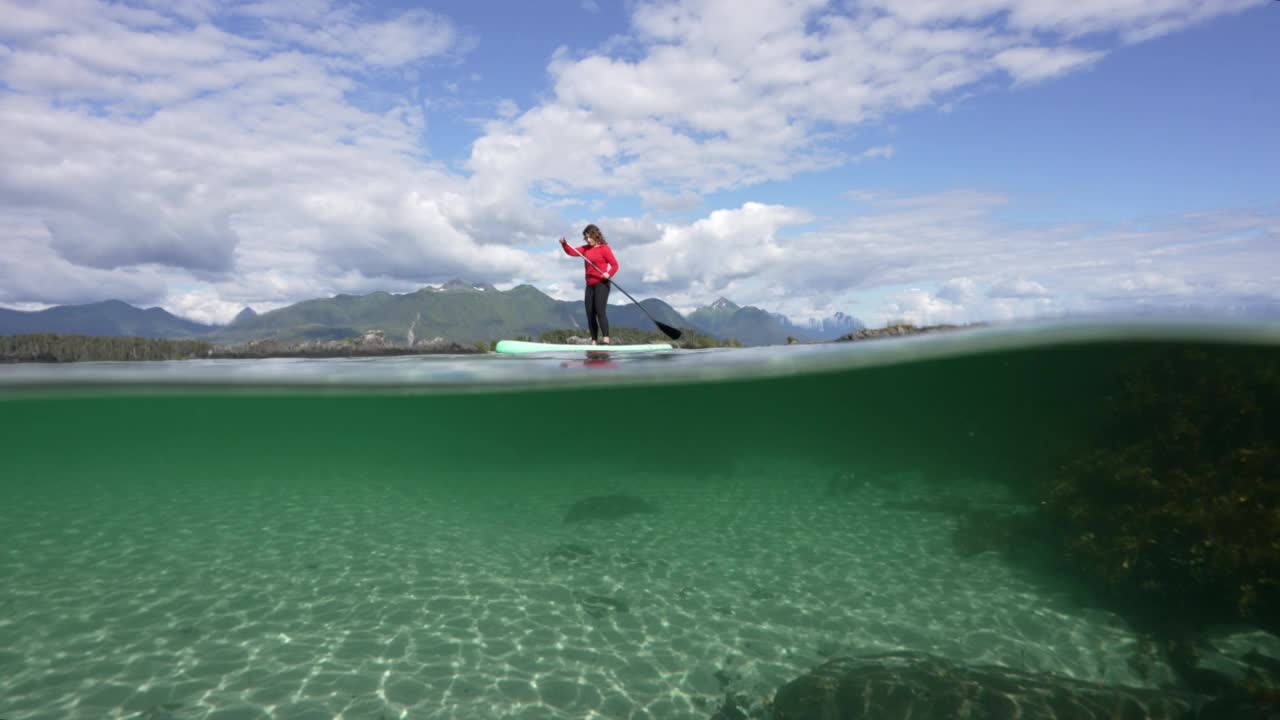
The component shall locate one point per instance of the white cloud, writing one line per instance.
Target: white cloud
(1146, 285)
(165, 160)
(879, 151)
(958, 290)
(1220, 259)
(704, 96)
(952, 260)
(921, 307)
(724, 246)
(1017, 288)
(206, 305)
(507, 108)
(1033, 64)
(1131, 20)
(413, 35)
(671, 202)
(206, 156)
(32, 274)
(310, 11)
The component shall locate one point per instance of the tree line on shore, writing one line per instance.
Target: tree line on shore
(55, 347)
(60, 348)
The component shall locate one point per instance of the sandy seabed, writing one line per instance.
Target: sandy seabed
(363, 600)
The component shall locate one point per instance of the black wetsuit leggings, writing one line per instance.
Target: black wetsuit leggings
(598, 309)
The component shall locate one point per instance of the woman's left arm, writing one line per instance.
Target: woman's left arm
(613, 261)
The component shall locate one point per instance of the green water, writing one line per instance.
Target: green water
(203, 553)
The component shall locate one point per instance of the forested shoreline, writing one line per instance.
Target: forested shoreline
(63, 348)
(59, 348)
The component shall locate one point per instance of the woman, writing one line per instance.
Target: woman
(601, 265)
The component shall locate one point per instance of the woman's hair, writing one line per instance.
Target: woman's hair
(593, 232)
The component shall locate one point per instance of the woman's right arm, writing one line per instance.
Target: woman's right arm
(568, 249)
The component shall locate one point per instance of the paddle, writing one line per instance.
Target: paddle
(673, 333)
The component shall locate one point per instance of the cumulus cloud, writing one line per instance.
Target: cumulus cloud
(1146, 285)
(879, 151)
(1033, 64)
(1130, 20)
(507, 108)
(207, 155)
(921, 307)
(1017, 288)
(958, 290)
(708, 97)
(1216, 258)
(162, 152)
(772, 255)
(726, 245)
(413, 35)
(32, 275)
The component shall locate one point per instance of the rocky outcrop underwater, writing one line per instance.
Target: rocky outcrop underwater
(918, 686)
(607, 507)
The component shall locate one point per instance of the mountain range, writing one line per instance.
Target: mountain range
(458, 311)
(753, 326)
(111, 317)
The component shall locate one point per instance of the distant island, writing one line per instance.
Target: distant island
(464, 313)
(455, 318)
(61, 348)
(896, 329)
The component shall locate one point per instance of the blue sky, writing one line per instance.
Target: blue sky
(971, 160)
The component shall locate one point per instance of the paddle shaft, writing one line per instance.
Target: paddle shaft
(670, 331)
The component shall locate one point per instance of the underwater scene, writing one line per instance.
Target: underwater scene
(1076, 522)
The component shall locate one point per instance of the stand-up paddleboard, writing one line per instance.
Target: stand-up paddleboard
(518, 347)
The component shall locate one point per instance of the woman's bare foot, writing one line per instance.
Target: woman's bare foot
(606, 340)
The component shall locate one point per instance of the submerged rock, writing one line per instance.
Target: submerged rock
(734, 707)
(1010, 533)
(569, 555)
(600, 605)
(1233, 666)
(608, 507)
(898, 686)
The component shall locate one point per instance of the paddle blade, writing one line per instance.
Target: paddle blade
(673, 333)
